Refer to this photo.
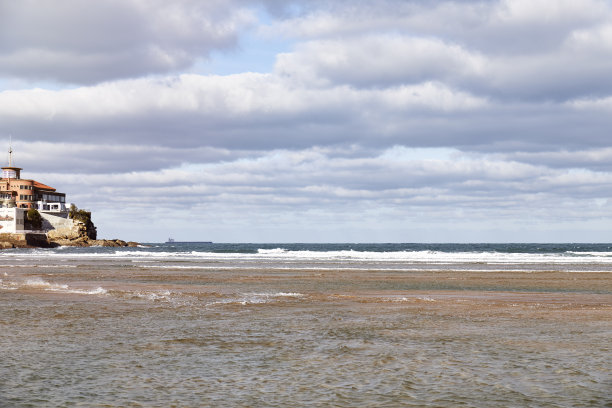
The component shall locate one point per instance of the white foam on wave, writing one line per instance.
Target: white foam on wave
(341, 257)
(279, 294)
(439, 257)
(226, 302)
(408, 299)
(255, 298)
(590, 253)
(432, 257)
(39, 283)
(97, 291)
(7, 286)
(275, 251)
(153, 295)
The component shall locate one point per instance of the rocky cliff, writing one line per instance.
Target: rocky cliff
(82, 234)
(24, 241)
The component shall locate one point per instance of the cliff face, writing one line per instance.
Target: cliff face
(77, 235)
(82, 233)
(73, 231)
(24, 241)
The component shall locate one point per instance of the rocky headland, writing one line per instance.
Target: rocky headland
(82, 233)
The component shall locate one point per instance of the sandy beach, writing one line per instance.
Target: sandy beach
(125, 329)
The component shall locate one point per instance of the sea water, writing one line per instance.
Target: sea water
(377, 325)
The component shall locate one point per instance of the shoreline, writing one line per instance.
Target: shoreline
(42, 240)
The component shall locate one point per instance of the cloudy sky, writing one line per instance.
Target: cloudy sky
(316, 121)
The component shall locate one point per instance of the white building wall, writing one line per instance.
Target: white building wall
(55, 220)
(12, 220)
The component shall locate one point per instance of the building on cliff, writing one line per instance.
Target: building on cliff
(18, 195)
(34, 215)
(24, 193)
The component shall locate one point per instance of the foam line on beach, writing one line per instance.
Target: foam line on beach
(41, 284)
(431, 257)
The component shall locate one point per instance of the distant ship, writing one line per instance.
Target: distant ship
(172, 241)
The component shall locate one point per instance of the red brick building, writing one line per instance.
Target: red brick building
(26, 193)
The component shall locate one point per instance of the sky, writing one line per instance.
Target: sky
(316, 121)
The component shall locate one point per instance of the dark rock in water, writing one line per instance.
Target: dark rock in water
(108, 243)
(25, 240)
(39, 241)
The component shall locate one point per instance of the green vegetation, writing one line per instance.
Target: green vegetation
(79, 215)
(34, 218)
(85, 218)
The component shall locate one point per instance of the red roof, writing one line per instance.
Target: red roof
(42, 186)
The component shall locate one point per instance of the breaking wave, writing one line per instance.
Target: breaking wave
(41, 284)
(425, 256)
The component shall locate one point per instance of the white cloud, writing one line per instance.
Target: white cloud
(592, 39)
(222, 111)
(88, 42)
(282, 186)
(481, 22)
(548, 11)
(594, 159)
(514, 49)
(380, 60)
(590, 104)
(388, 116)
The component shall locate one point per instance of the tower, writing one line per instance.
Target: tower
(11, 172)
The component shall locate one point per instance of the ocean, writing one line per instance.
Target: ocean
(307, 325)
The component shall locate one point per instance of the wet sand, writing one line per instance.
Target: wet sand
(119, 334)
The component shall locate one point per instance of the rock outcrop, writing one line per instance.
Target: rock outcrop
(83, 234)
(78, 233)
(25, 241)
(112, 243)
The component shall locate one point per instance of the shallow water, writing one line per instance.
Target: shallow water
(204, 326)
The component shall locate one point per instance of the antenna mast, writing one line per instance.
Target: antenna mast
(10, 151)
